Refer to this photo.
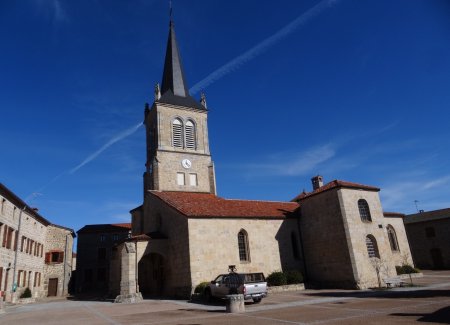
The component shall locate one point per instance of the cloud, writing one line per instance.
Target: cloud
(263, 46)
(294, 164)
(115, 139)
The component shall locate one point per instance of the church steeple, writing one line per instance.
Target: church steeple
(173, 75)
(174, 88)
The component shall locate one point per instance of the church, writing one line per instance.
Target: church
(184, 234)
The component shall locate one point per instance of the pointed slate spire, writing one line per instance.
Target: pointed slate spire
(174, 88)
(173, 75)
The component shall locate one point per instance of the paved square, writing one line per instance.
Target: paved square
(429, 302)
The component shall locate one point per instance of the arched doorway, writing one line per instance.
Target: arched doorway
(151, 275)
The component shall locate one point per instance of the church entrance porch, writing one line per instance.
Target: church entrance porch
(151, 275)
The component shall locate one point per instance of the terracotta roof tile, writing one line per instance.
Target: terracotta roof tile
(123, 225)
(393, 214)
(209, 205)
(331, 185)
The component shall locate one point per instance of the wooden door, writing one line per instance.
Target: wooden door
(52, 287)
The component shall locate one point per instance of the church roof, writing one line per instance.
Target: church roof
(334, 184)
(174, 88)
(197, 205)
(428, 216)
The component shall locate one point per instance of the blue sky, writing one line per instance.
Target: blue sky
(352, 90)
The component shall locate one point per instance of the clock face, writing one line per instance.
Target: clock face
(186, 163)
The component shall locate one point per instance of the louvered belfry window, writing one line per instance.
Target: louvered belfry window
(190, 135)
(177, 133)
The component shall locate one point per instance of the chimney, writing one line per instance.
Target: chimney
(317, 182)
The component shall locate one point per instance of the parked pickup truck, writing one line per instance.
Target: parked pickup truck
(251, 285)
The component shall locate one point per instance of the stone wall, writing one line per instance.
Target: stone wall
(163, 174)
(59, 240)
(427, 238)
(214, 246)
(327, 257)
(34, 231)
(161, 218)
(357, 231)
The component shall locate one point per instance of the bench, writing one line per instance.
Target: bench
(394, 281)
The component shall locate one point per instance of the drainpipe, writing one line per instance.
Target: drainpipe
(16, 244)
(64, 267)
(136, 277)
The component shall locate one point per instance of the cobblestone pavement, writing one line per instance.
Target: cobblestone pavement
(428, 302)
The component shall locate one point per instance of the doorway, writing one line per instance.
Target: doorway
(151, 275)
(52, 287)
(436, 256)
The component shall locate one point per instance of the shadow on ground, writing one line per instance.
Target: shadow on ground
(439, 316)
(425, 293)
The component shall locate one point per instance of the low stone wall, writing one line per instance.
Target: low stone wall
(286, 288)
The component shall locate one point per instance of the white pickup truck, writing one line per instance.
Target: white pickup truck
(251, 285)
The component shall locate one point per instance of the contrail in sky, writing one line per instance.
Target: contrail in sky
(117, 138)
(264, 45)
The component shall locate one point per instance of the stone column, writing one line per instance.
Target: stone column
(128, 292)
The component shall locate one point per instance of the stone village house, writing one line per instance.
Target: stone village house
(184, 233)
(34, 253)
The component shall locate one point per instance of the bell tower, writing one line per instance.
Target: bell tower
(178, 156)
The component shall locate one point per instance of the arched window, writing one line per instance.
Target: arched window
(294, 243)
(244, 253)
(177, 133)
(372, 248)
(364, 211)
(190, 135)
(392, 238)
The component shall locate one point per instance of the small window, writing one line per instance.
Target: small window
(429, 232)
(115, 237)
(180, 179)
(177, 133)
(392, 238)
(294, 243)
(102, 238)
(88, 275)
(372, 248)
(244, 253)
(364, 211)
(2, 205)
(193, 179)
(101, 274)
(101, 254)
(190, 135)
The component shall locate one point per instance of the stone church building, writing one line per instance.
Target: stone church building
(184, 234)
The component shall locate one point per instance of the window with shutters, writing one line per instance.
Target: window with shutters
(54, 257)
(244, 253)
(177, 133)
(190, 135)
(392, 238)
(364, 211)
(372, 248)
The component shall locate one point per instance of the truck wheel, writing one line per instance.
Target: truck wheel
(208, 296)
(256, 300)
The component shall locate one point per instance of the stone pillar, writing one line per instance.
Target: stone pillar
(128, 277)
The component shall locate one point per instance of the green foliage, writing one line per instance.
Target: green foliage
(406, 269)
(294, 277)
(277, 278)
(200, 288)
(26, 293)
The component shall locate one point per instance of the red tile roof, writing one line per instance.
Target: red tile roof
(334, 184)
(209, 205)
(393, 214)
(123, 225)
